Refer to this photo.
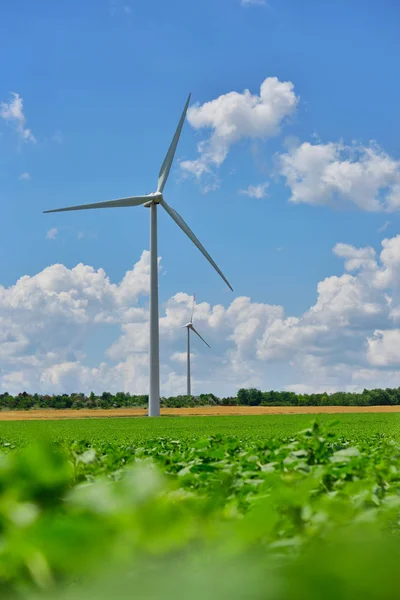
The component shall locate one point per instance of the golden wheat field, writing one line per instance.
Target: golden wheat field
(205, 411)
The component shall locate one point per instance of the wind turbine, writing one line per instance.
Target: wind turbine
(152, 201)
(190, 327)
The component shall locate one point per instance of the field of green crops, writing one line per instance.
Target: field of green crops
(263, 507)
(259, 427)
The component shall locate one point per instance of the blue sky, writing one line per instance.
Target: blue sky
(103, 84)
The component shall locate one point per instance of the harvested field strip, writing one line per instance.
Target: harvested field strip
(206, 411)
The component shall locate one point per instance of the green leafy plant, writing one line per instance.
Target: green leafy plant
(216, 515)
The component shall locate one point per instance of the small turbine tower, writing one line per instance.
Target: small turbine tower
(152, 201)
(189, 326)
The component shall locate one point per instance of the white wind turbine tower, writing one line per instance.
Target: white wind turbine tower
(152, 201)
(190, 327)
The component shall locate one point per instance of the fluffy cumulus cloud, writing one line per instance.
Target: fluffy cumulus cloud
(46, 319)
(333, 173)
(13, 113)
(53, 325)
(384, 348)
(356, 258)
(348, 338)
(236, 116)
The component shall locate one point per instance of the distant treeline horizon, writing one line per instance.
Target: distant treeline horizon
(244, 397)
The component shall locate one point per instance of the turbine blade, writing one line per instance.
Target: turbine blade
(169, 157)
(179, 221)
(197, 333)
(131, 201)
(194, 300)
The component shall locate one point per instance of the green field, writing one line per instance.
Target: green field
(260, 427)
(258, 507)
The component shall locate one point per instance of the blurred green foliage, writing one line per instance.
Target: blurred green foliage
(314, 515)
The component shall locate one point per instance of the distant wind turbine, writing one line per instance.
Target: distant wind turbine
(151, 201)
(190, 327)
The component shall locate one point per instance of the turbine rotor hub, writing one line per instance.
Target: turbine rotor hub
(156, 198)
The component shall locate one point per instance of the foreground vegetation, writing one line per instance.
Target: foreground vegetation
(94, 515)
(245, 397)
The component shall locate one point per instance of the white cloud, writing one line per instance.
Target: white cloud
(13, 113)
(45, 321)
(356, 258)
(52, 233)
(349, 329)
(384, 348)
(235, 116)
(389, 274)
(348, 339)
(256, 191)
(333, 173)
(25, 176)
(181, 357)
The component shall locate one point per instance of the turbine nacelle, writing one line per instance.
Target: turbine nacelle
(190, 327)
(156, 198)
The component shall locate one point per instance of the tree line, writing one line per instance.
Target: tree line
(244, 397)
